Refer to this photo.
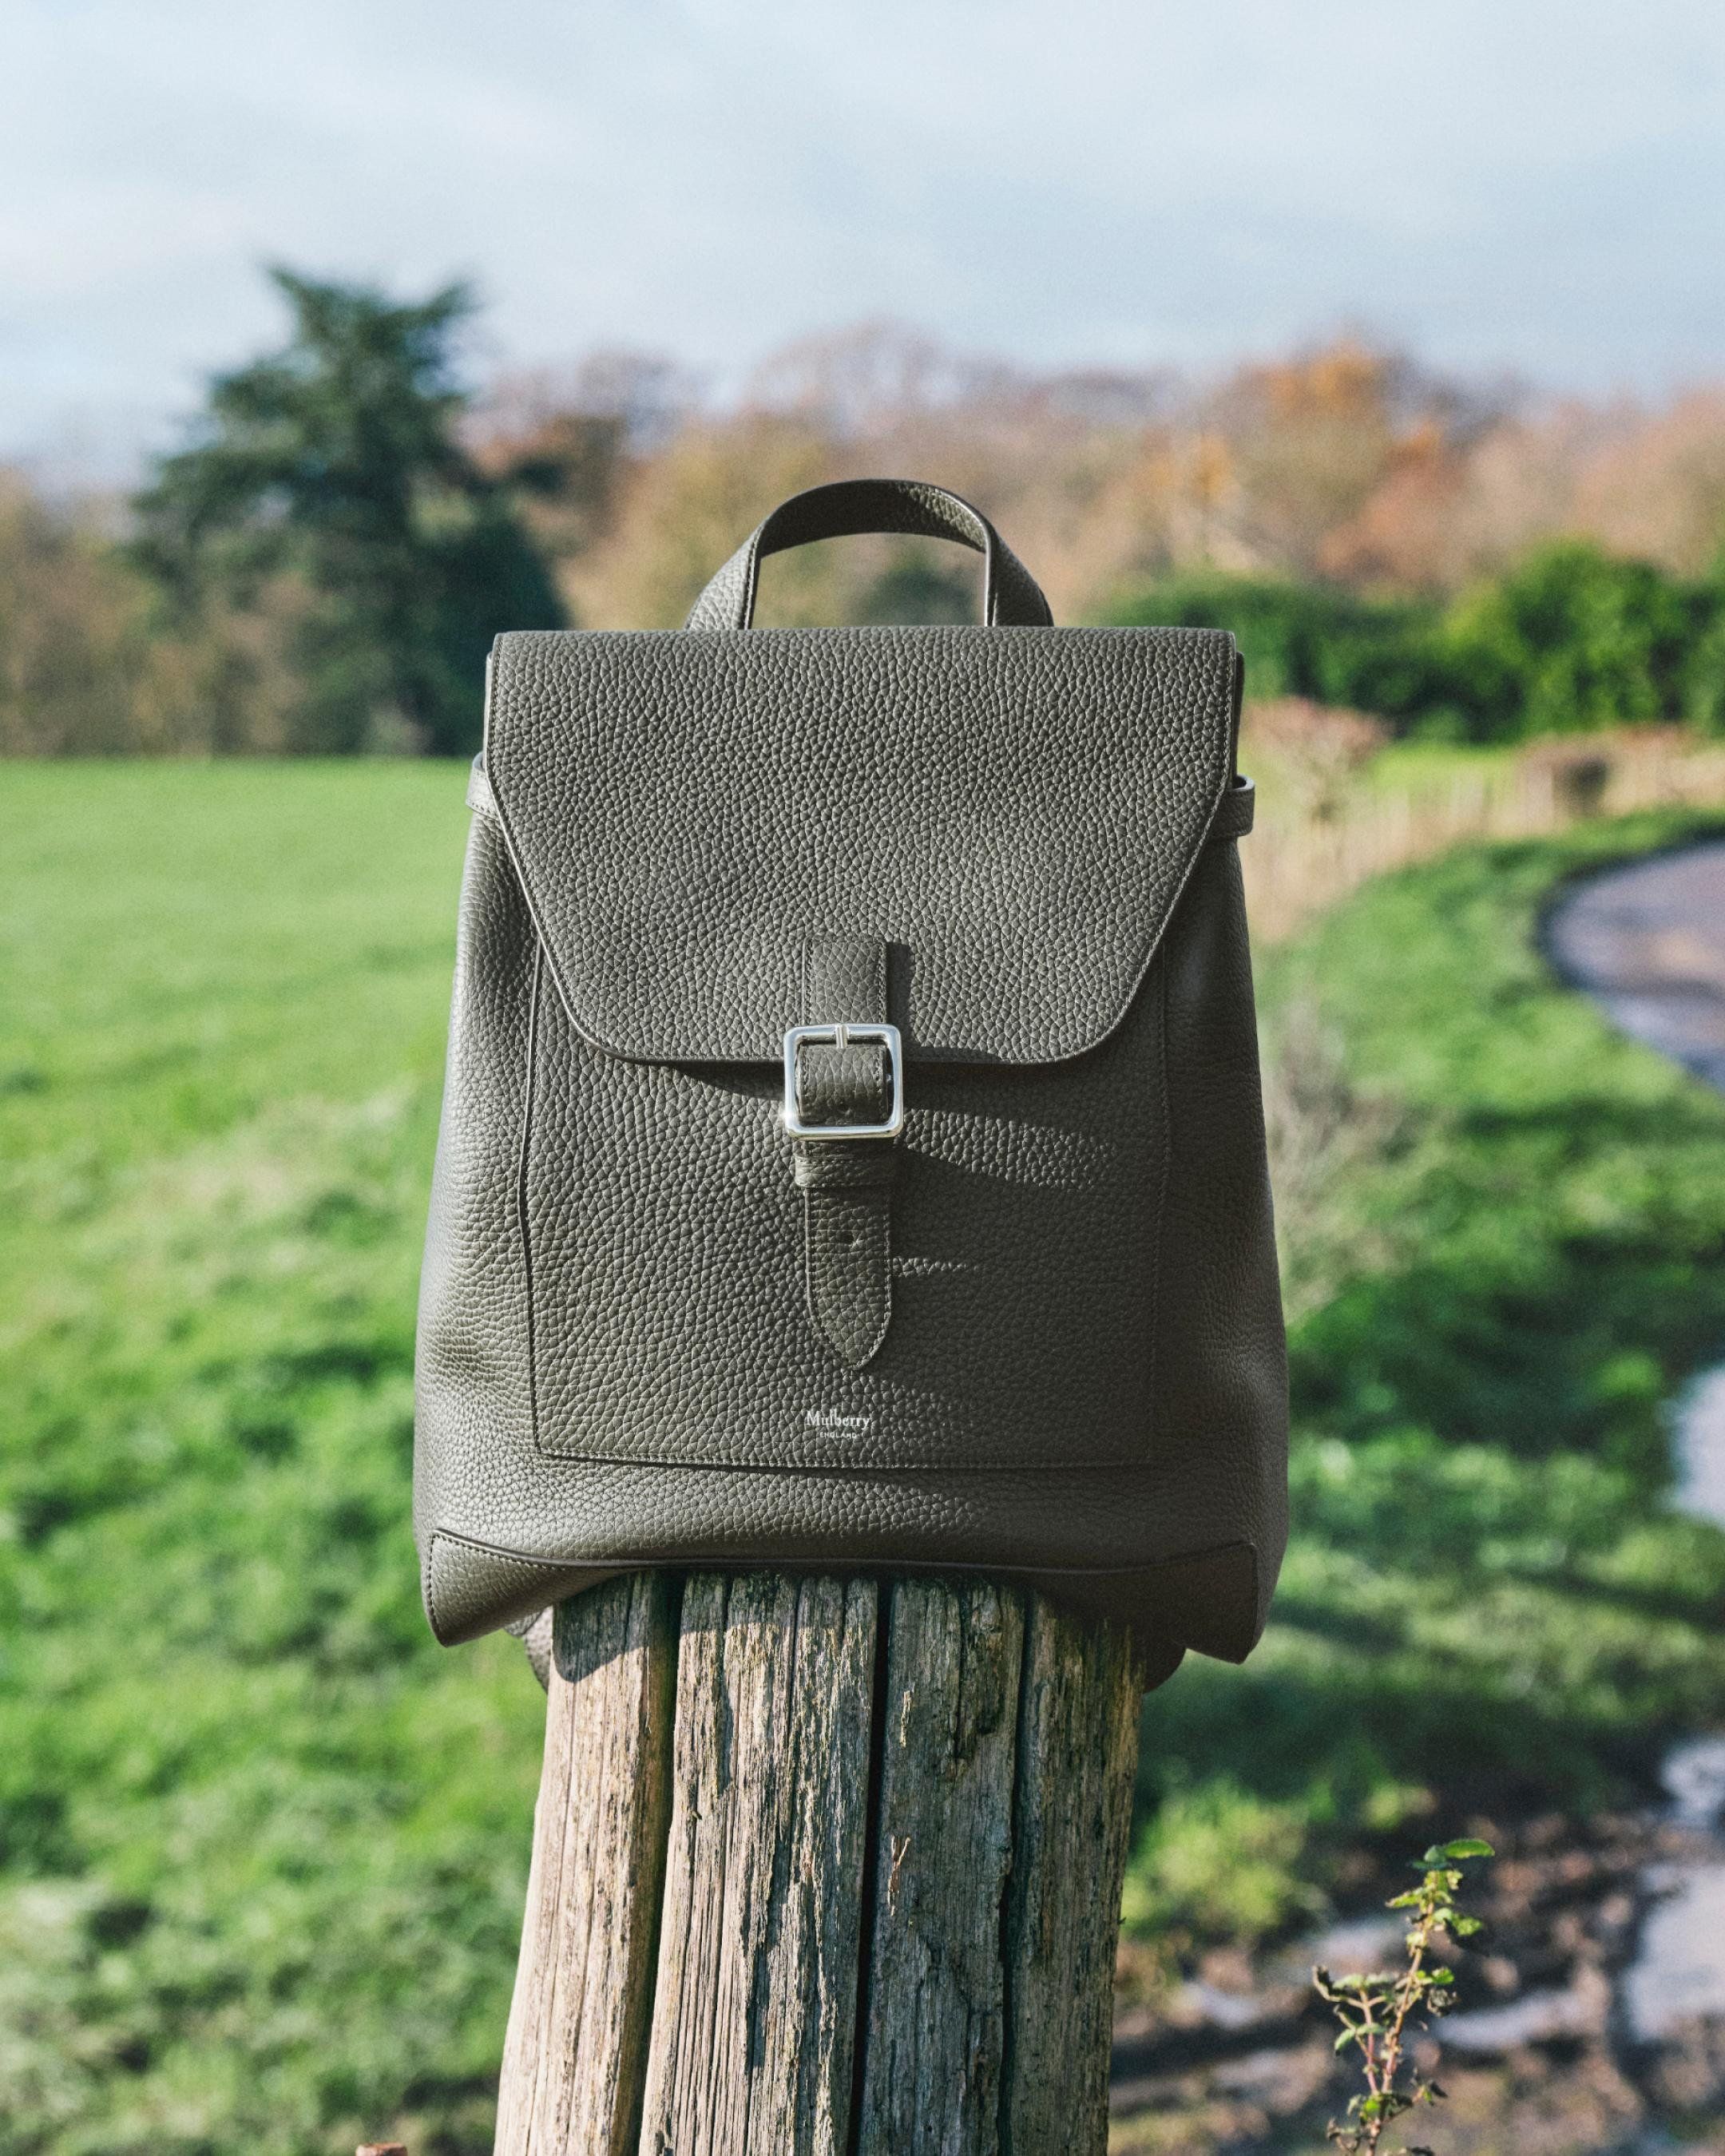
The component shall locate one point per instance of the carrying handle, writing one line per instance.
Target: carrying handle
(1012, 597)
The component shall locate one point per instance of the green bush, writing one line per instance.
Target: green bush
(1571, 640)
(1306, 640)
(1574, 639)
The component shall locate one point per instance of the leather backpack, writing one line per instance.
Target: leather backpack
(852, 1151)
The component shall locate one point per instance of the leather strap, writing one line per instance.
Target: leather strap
(1012, 597)
(846, 1183)
(1232, 818)
(480, 796)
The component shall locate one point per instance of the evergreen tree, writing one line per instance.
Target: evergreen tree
(335, 468)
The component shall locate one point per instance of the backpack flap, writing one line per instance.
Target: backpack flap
(1012, 813)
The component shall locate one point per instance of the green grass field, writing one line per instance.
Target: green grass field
(263, 1847)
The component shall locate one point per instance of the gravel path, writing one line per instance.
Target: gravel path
(1647, 942)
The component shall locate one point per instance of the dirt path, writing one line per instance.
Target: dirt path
(1647, 944)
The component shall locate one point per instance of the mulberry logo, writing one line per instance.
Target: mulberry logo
(830, 1420)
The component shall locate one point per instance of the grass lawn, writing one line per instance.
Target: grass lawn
(262, 1845)
(1504, 1238)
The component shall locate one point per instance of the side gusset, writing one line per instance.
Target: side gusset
(1221, 1362)
(471, 1368)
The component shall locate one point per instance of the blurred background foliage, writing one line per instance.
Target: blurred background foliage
(321, 564)
(327, 501)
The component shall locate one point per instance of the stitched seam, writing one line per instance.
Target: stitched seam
(434, 1609)
(827, 1312)
(811, 1294)
(878, 958)
(639, 1560)
(523, 1228)
(884, 1262)
(490, 1549)
(832, 1331)
(1159, 1235)
(1123, 1463)
(431, 1608)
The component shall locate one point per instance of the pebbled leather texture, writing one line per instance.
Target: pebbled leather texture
(1014, 811)
(1040, 1334)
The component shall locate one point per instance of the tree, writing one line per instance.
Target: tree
(72, 646)
(333, 471)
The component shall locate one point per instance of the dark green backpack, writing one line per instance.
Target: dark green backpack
(853, 1152)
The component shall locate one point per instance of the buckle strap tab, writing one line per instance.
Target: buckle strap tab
(845, 1105)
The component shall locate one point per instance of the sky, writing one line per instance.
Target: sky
(1502, 187)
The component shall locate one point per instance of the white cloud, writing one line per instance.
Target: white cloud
(1521, 183)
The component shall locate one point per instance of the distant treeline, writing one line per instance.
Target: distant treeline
(322, 565)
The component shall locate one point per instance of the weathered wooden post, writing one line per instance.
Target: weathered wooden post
(822, 1866)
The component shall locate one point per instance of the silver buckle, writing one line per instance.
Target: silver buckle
(841, 1036)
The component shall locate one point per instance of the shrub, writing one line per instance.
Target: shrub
(1379, 2012)
(1572, 639)
(1310, 640)
(1218, 1862)
(1704, 671)
(72, 622)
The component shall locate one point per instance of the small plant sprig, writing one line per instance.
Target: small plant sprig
(1379, 2012)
